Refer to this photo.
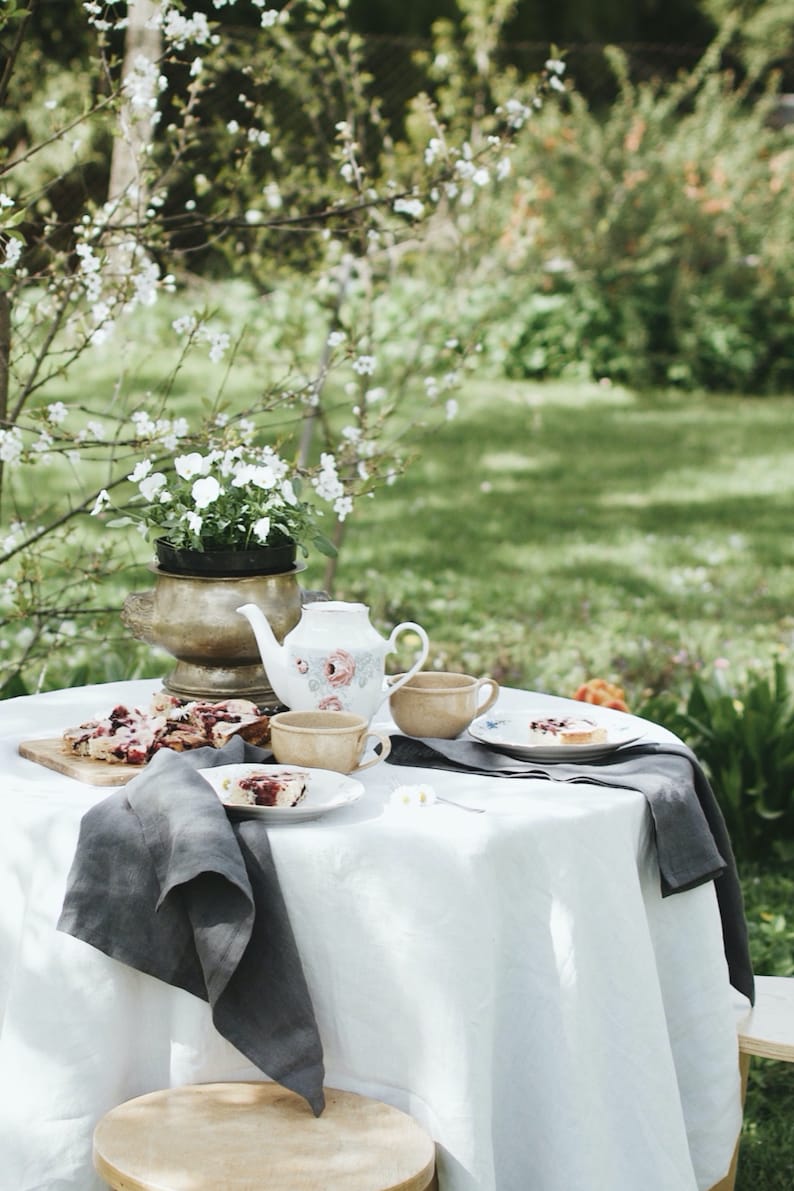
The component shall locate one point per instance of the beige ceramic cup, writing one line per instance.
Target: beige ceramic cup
(324, 740)
(439, 703)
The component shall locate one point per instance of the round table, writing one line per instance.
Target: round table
(513, 979)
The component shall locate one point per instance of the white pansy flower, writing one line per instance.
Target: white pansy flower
(194, 521)
(205, 492)
(189, 466)
(151, 485)
(288, 492)
(261, 528)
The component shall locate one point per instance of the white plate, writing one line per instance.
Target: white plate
(508, 732)
(326, 791)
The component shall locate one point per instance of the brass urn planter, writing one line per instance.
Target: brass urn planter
(194, 617)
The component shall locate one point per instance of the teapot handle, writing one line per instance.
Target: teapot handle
(407, 626)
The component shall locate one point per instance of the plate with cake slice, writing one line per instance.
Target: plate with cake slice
(281, 793)
(538, 736)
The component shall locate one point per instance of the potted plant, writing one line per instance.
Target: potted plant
(230, 511)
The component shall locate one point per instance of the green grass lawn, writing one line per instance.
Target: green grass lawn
(555, 533)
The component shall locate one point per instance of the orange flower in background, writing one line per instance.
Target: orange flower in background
(605, 694)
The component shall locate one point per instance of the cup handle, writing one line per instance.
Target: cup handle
(491, 699)
(381, 756)
(407, 626)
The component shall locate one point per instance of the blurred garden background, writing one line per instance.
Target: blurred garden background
(520, 272)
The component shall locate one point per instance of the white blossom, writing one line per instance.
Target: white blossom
(343, 506)
(184, 325)
(412, 797)
(336, 339)
(57, 413)
(179, 29)
(140, 471)
(13, 251)
(259, 136)
(364, 365)
(11, 446)
(433, 150)
(101, 503)
(143, 423)
(408, 206)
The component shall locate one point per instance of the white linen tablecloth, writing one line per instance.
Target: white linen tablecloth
(512, 979)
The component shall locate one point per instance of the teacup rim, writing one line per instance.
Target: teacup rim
(352, 720)
(417, 681)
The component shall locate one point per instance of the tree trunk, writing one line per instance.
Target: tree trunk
(5, 361)
(136, 119)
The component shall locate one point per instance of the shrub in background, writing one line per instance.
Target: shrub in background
(744, 738)
(666, 236)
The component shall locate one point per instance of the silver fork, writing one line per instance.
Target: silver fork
(475, 810)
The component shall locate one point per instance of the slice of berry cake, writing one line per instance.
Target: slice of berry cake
(131, 736)
(565, 730)
(262, 787)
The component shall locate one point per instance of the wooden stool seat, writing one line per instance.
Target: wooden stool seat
(252, 1136)
(768, 1029)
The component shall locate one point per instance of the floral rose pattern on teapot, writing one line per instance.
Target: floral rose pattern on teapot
(335, 678)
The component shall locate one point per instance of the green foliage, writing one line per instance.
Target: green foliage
(769, 908)
(744, 737)
(662, 235)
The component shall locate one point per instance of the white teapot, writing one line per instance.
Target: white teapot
(333, 659)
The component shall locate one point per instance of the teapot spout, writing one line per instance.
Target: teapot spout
(273, 654)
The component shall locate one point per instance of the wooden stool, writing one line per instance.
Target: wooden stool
(257, 1136)
(768, 1032)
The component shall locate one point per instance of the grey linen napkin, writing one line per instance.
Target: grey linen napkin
(692, 842)
(163, 881)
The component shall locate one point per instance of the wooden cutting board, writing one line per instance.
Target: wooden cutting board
(96, 773)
